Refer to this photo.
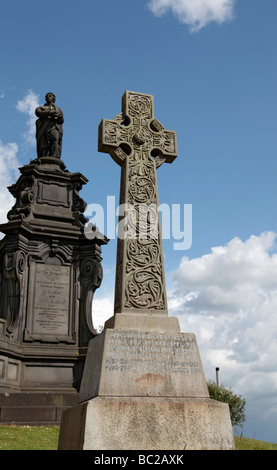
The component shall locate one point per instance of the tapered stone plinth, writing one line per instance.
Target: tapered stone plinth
(145, 390)
(147, 423)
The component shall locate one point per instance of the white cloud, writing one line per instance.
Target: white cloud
(27, 105)
(228, 298)
(8, 175)
(102, 310)
(195, 13)
(9, 163)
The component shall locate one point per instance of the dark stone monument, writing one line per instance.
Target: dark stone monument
(49, 272)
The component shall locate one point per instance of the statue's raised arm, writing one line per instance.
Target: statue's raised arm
(49, 129)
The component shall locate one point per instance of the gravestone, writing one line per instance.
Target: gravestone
(143, 385)
(49, 273)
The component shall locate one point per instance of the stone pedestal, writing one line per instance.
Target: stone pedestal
(49, 272)
(35, 408)
(147, 423)
(144, 389)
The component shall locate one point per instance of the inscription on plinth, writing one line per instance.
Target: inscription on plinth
(134, 363)
(49, 313)
(155, 352)
(51, 301)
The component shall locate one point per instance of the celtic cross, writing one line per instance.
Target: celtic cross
(139, 144)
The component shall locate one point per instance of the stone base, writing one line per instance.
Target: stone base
(35, 408)
(37, 373)
(147, 423)
(143, 322)
(145, 390)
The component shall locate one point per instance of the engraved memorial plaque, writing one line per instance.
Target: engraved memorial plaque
(51, 301)
(53, 194)
(50, 313)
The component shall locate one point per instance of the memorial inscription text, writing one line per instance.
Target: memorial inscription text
(51, 302)
(128, 351)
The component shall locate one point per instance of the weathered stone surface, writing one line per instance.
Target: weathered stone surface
(147, 423)
(133, 363)
(143, 322)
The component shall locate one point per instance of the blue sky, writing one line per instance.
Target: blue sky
(211, 66)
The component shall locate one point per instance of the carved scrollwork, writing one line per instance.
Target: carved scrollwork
(159, 161)
(112, 133)
(144, 283)
(27, 196)
(142, 180)
(78, 203)
(24, 201)
(141, 136)
(144, 286)
(115, 133)
(141, 254)
(140, 105)
(120, 155)
(14, 266)
(144, 289)
(168, 142)
(19, 213)
(90, 271)
(91, 278)
(20, 262)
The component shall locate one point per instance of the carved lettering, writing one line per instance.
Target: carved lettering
(51, 301)
(134, 350)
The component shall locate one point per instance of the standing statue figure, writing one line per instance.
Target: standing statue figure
(49, 129)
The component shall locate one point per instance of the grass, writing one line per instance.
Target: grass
(29, 437)
(243, 443)
(47, 437)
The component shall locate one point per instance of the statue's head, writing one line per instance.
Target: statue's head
(50, 97)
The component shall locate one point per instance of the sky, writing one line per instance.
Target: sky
(211, 67)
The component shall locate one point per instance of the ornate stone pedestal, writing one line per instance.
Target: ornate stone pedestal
(49, 272)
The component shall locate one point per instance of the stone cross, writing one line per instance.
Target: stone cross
(139, 144)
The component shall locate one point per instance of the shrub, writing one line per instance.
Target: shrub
(236, 402)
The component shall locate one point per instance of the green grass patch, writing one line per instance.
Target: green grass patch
(29, 437)
(243, 443)
(47, 438)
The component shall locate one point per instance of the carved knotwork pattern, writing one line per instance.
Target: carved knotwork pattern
(138, 142)
(137, 135)
(140, 106)
(143, 270)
